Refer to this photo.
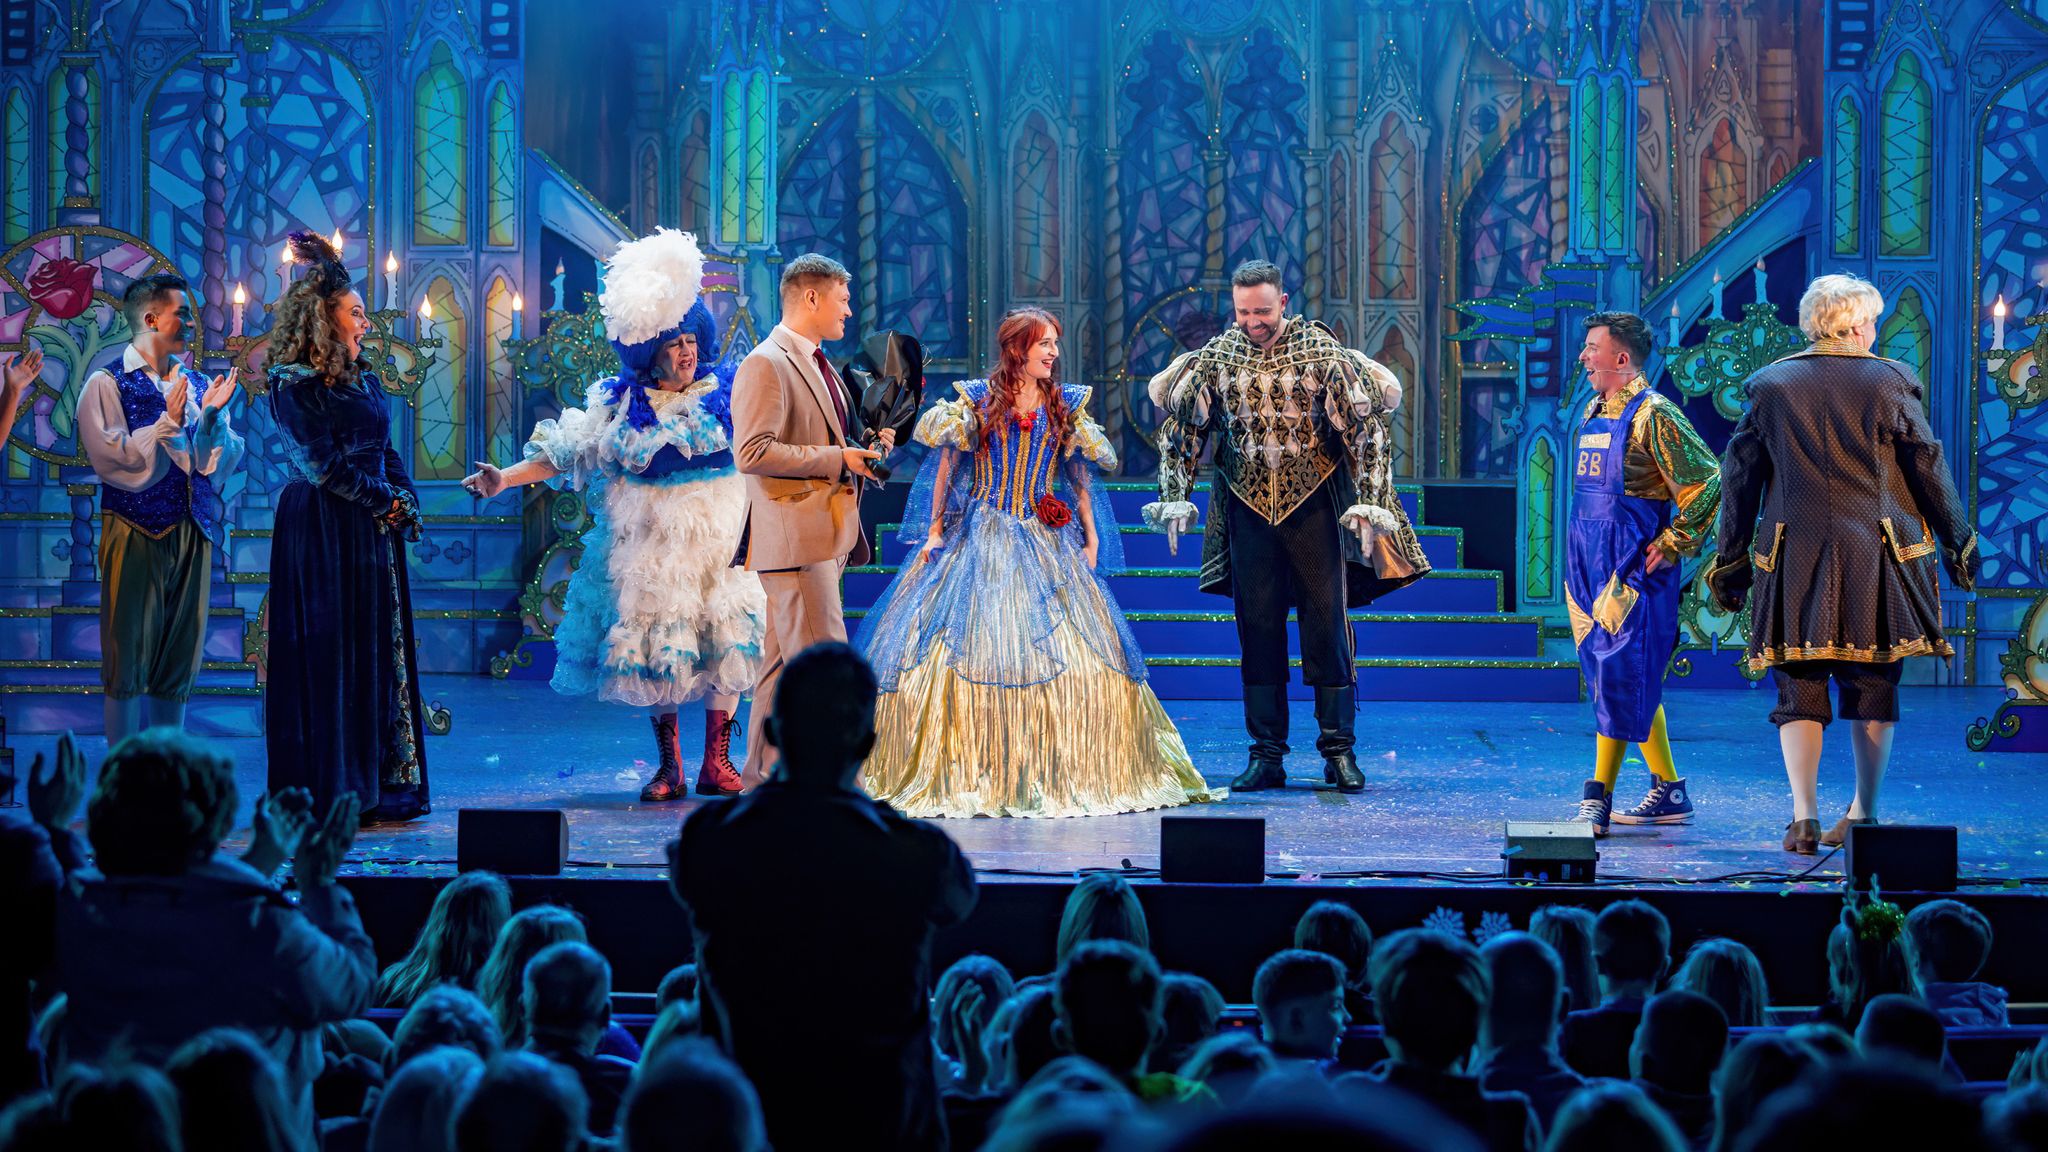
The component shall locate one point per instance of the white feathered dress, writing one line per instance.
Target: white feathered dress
(656, 613)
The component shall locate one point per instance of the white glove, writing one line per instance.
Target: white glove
(1175, 517)
(1368, 523)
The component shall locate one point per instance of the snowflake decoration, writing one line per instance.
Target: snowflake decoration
(1446, 921)
(1491, 924)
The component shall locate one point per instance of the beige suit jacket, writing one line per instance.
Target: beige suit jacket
(803, 507)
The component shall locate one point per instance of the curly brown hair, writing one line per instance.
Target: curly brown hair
(304, 333)
(1020, 330)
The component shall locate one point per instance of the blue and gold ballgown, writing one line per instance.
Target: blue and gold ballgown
(1011, 685)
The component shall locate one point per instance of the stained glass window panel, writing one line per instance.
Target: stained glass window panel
(16, 141)
(1392, 214)
(501, 213)
(732, 161)
(922, 234)
(1614, 187)
(1035, 251)
(1906, 176)
(1263, 115)
(440, 432)
(693, 193)
(1504, 230)
(1539, 565)
(2011, 449)
(440, 152)
(1906, 336)
(1587, 159)
(649, 191)
(501, 391)
(1160, 183)
(1846, 176)
(757, 157)
(1724, 181)
(1394, 354)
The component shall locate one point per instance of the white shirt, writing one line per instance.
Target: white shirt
(132, 461)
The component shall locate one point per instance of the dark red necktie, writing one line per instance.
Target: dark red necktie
(831, 380)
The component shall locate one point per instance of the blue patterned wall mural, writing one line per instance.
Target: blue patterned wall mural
(1451, 186)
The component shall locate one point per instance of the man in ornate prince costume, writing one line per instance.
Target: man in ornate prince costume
(1305, 500)
(157, 450)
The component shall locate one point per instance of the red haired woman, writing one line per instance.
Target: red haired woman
(1011, 685)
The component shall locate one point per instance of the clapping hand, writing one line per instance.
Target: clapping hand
(53, 797)
(180, 394)
(220, 390)
(21, 369)
(281, 823)
(320, 855)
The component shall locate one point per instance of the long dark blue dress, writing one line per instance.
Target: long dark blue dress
(343, 707)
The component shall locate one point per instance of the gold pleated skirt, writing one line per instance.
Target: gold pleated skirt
(1088, 742)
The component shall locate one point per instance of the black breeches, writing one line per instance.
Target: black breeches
(1297, 563)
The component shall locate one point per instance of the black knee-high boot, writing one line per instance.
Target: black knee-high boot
(1335, 709)
(1265, 719)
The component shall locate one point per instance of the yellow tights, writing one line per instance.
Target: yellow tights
(1656, 753)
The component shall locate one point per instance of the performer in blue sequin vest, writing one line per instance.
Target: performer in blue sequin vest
(158, 451)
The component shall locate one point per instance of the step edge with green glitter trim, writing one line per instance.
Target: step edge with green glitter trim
(1192, 573)
(1534, 663)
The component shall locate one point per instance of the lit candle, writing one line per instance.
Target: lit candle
(1674, 324)
(241, 302)
(284, 264)
(426, 318)
(1759, 279)
(518, 313)
(1717, 294)
(561, 277)
(1998, 324)
(391, 296)
(338, 243)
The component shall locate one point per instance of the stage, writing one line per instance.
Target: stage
(1441, 779)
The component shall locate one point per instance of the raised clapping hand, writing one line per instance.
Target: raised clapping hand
(53, 796)
(320, 855)
(21, 369)
(220, 390)
(487, 481)
(281, 823)
(181, 392)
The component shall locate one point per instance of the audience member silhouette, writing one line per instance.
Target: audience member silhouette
(522, 1103)
(965, 1000)
(1903, 1028)
(1569, 932)
(1020, 1038)
(1631, 950)
(1518, 1042)
(231, 1098)
(416, 1112)
(1677, 1047)
(446, 1015)
(1229, 1065)
(2018, 1121)
(461, 929)
(1951, 943)
(1869, 955)
(568, 1003)
(1190, 1009)
(1867, 1104)
(1607, 1116)
(679, 983)
(1107, 996)
(1300, 998)
(807, 867)
(689, 1097)
(36, 854)
(1338, 931)
(1103, 906)
(1431, 990)
(1750, 1074)
(1730, 975)
(223, 947)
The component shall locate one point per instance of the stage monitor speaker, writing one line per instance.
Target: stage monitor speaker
(1557, 851)
(1212, 849)
(1901, 857)
(512, 841)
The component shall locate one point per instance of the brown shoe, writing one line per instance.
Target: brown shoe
(1803, 837)
(1839, 834)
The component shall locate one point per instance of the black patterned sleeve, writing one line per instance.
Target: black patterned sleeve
(1934, 493)
(1745, 476)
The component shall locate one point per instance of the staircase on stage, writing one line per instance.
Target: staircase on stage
(1445, 637)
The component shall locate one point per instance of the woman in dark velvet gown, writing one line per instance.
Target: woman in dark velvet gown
(342, 711)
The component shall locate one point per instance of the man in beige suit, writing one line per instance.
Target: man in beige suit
(791, 421)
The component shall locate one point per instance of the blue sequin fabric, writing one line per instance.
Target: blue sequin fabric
(158, 508)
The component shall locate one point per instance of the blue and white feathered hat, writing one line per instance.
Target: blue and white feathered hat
(651, 287)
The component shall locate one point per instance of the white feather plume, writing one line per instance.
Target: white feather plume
(650, 285)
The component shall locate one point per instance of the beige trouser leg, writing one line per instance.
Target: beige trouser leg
(803, 609)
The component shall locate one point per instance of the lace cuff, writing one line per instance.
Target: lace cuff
(1157, 514)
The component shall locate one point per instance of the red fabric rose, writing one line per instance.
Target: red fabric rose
(1053, 511)
(62, 287)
